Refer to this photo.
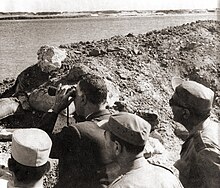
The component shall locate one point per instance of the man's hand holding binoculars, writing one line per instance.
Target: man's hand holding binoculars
(63, 97)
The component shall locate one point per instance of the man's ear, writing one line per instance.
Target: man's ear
(118, 148)
(83, 99)
(186, 113)
(48, 166)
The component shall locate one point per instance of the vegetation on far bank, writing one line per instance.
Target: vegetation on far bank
(106, 13)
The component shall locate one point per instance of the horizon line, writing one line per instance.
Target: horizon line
(109, 10)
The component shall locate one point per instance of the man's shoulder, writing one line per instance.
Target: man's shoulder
(3, 183)
(162, 176)
(97, 120)
(160, 167)
(6, 179)
(87, 129)
(68, 135)
(85, 125)
(151, 176)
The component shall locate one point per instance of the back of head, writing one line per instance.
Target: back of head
(30, 153)
(194, 96)
(94, 87)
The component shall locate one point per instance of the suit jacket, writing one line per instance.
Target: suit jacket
(80, 150)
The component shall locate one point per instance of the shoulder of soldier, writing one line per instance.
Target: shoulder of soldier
(201, 142)
(164, 174)
(160, 166)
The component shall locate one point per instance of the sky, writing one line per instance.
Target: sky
(94, 5)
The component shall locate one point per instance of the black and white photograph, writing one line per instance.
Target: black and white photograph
(109, 94)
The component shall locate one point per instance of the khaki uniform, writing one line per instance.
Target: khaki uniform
(146, 175)
(6, 181)
(199, 165)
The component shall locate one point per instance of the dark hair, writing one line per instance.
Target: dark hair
(27, 174)
(129, 147)
(94, 87)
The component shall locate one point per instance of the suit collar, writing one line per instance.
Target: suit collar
(98, 115)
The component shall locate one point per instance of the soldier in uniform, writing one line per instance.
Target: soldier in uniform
(126, 135)
(29, 159)
(199, 165)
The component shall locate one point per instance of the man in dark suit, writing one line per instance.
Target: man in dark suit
(81, 148)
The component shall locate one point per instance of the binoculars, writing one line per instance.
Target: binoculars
(52, 91)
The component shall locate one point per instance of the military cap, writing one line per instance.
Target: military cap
(193, 95)
(129, 127)
(31, 147)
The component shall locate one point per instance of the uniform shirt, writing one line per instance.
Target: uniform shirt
(79, 149)
(199, 165)
(6, 181)
(146, 175)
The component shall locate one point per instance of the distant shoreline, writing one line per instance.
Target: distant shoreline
(59, 15)
(37, 17)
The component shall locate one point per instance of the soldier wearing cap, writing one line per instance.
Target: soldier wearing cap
(199, 165)
(126, 135)
(29, 159)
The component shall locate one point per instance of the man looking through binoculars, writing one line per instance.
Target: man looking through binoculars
(80, 147)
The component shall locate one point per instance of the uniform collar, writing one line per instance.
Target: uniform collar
(139, 162)
(135, 164)
(11, 185)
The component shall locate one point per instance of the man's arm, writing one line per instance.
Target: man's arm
(48, 122)
(49, 119)
(63, 140)
(62, 101)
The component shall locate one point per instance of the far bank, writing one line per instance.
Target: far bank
(20, 39)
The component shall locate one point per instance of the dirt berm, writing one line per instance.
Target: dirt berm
(143, 66)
